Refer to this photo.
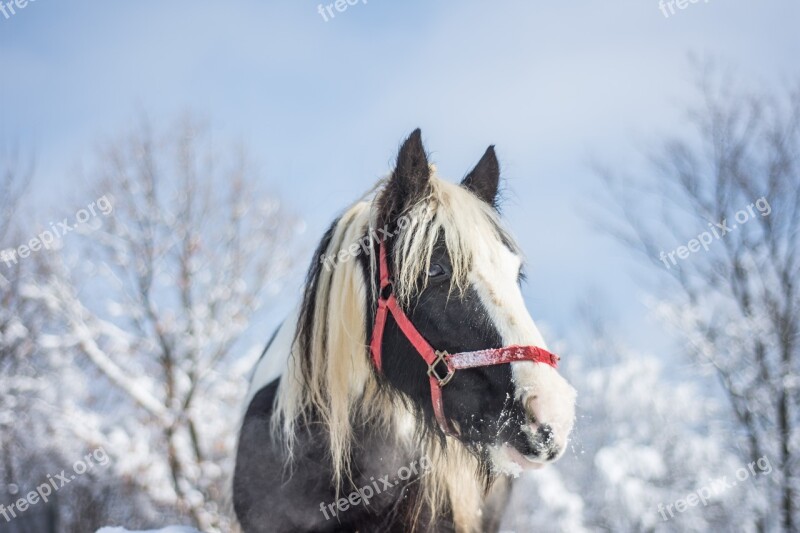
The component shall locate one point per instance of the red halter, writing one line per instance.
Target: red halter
(387, 303)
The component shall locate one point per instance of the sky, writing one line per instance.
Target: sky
(323, 104)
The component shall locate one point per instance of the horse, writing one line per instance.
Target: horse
(414, 384)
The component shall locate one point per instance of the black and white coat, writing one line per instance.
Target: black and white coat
(329, 444)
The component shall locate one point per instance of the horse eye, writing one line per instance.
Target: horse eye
(436, 270)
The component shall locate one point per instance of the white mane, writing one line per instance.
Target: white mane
(329, 374)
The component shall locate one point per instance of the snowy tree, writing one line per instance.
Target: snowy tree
(720, 220)
(154, 305)
(17, 341)
(37, 431)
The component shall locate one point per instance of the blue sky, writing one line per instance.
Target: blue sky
(323, 105)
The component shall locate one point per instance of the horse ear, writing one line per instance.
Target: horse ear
(485, 178)
(410, 180)
(412, 173)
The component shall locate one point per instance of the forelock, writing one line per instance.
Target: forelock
(467, 223)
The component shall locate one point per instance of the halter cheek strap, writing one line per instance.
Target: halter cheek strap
(441, 365)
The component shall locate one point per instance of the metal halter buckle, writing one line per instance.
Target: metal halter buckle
(440, 358)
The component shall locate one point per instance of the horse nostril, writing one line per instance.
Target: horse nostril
(545, 432)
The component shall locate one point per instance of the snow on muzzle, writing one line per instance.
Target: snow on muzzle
(549, 403)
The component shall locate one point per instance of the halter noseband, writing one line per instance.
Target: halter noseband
(387, 303)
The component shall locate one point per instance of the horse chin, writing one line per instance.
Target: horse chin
(509, 461)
